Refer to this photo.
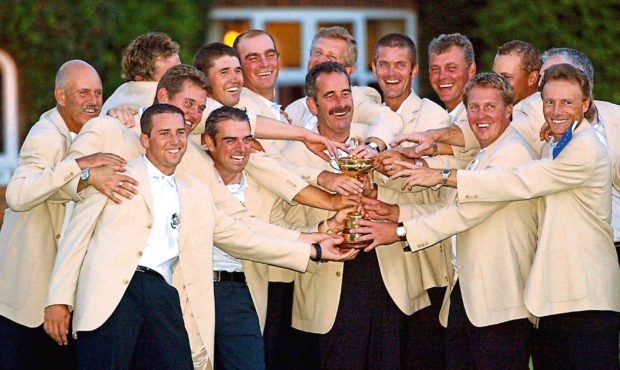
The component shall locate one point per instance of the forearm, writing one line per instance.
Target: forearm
(314, 197)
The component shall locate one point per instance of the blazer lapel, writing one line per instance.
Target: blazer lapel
(138, 172)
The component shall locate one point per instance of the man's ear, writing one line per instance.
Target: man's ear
(471, 70)
(162, 95)
(414, 72)
(312, 105)
(144, 140)
(60, 96)
(208, 140)
(532, 78)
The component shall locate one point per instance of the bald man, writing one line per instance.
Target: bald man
(36, 215)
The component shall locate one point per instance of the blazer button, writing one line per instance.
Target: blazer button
(338, 273)
(57, 236)
(290, 183)
(125, 281)
(149, 226)
(140, 253)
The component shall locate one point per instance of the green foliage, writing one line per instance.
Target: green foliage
(43, 34)
(592, 27)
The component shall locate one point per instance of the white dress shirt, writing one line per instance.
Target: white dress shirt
(400, 108)
(223, 261)
(162, 248)
(275, 108)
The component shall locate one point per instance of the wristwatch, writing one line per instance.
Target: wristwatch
(85, 175)
(444, 176)
(401, 231)
(418, 162)
(373, 145)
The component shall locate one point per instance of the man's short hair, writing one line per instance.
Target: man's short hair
(442, 43)
(175, 77)
(140, 56)
(223, 114)
(493, 80)
(338, 33)
(574, 57)
(568, 72)
(397, 40)
(206, 56)
(146, 120)
(530, 57)
(253, 33)
(325, 67)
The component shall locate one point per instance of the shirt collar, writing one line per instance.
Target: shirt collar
(400, 109)
(154, 172)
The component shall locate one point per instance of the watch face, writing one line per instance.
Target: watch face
(401, 231)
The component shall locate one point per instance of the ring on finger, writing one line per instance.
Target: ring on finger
(120, 184)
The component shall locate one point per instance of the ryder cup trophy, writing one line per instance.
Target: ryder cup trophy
(354, 167)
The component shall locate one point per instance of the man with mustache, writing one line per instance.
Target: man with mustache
(355, 306)
(37, 214)
(145, 60)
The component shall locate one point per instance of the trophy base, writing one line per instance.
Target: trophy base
(351, 243)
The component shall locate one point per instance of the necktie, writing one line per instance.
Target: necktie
(564, 140)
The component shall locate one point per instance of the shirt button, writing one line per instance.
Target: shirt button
(338, 273)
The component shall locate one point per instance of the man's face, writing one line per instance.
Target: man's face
(448, 74)
(260, 63)
(226, 80)
(562, 104)
(509, 67)
(163, 64)
(329, 50)
(487, 114)
(166, 145)
(334, 103)
(394, 71)
(551, 61)
(231, 147)
(191, 100)
(80, 99)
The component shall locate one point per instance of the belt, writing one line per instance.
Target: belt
(617, 244)
(148, 271)
(229, 276)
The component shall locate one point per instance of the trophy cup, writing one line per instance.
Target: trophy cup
(354, 167)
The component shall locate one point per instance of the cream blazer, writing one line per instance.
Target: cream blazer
(382, 122)
(317, 292)
(496, 242)
(101, 249)
(575, 267)
(136, 94)
(33, 222)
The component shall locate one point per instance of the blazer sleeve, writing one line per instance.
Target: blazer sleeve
(73, 247)
(38, 177)
(572, 168)
(238, 241)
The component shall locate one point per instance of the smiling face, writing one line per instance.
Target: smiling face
(448, 74)
(230, 149)
(394, 70)
(333, 106)
(167, 143)
(260, 63)
(563, 103)
(191, 100)
(487, 114)
(226, 80)
(80, 97)
(509, 67)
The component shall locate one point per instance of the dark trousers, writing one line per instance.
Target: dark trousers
(22, 347)
(286, 347)
(367, 330)
(577, 340)
(238, 340)
(424, 340)
(145, 330)
(500, 346)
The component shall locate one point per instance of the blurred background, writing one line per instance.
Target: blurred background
(39, 35)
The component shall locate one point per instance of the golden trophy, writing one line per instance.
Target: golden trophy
(354, 167)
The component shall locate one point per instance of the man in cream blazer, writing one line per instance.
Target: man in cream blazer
(33, 223)
(145, 60)
(487, 319)
(358, 302)
(130, 255)
(337, 44)
(574, 282)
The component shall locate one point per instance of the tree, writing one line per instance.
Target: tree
(43, 34)
(589, 26)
